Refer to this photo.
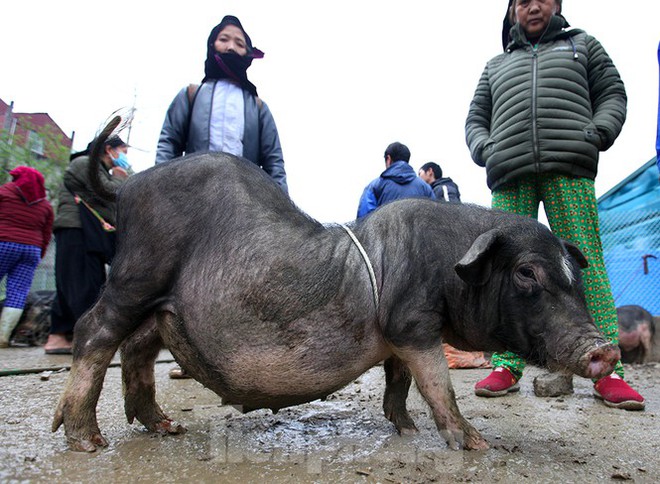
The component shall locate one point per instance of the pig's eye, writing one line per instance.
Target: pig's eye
(527, 273)
(526, 280)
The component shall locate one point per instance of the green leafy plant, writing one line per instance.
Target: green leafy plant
(44, 150)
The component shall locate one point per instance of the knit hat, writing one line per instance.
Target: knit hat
(30, 183)
(115, 142)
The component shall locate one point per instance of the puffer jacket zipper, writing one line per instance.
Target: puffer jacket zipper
(535, 129)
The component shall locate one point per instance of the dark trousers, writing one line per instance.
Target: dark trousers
(79, 277)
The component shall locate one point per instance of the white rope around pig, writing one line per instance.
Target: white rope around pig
(370, 268)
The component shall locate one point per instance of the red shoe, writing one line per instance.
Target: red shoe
(614, 392)
(500, 382)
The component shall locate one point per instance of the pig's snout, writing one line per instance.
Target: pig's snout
(599, 361)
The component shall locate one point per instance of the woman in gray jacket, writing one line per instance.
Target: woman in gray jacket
(541, 113)
(224, 113)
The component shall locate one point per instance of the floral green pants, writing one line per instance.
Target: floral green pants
(572, 212)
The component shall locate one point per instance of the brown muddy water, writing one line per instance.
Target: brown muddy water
(343, 439)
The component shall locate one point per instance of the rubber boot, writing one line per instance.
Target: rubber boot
(8, 321)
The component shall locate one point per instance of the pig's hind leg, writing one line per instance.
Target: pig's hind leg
(98, 334)
(397, 384)
(430, 370)
(138, 356)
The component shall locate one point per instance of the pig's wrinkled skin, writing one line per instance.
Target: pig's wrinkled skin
(269, 308)
(636, 332)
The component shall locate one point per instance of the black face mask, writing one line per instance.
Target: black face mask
(230, 66)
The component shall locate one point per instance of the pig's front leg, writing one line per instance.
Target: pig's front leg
(431, 373)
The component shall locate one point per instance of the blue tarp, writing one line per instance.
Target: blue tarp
(640, 190)
(657, 139)
(630, 232)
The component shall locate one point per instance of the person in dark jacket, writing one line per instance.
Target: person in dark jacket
(224, 113)
(396, 182)
(541, 113)
(445, 189)
(26, 222)
(79, 264)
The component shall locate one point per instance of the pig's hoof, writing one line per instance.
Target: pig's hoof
(470, 440)
(90, 444)
(408, 430)
(476, 443)
(405, 426)
(168, 426)
(402, 422)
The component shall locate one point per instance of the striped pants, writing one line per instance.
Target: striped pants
(572, 212)
(18, 262)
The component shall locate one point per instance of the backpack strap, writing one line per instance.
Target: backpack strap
(192, 93)
(193, 89)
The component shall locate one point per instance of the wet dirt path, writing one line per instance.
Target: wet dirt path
(345, 438)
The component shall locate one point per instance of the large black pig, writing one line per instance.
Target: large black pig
(269, 308)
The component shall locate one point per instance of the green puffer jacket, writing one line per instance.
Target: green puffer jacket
(548, 108)
(76, 180)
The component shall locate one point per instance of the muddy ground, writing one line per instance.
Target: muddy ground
(343, 439)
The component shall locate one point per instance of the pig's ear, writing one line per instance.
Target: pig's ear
(476, 265)
(575, 253)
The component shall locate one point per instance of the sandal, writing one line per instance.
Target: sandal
(57, 344)
(59, 351)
